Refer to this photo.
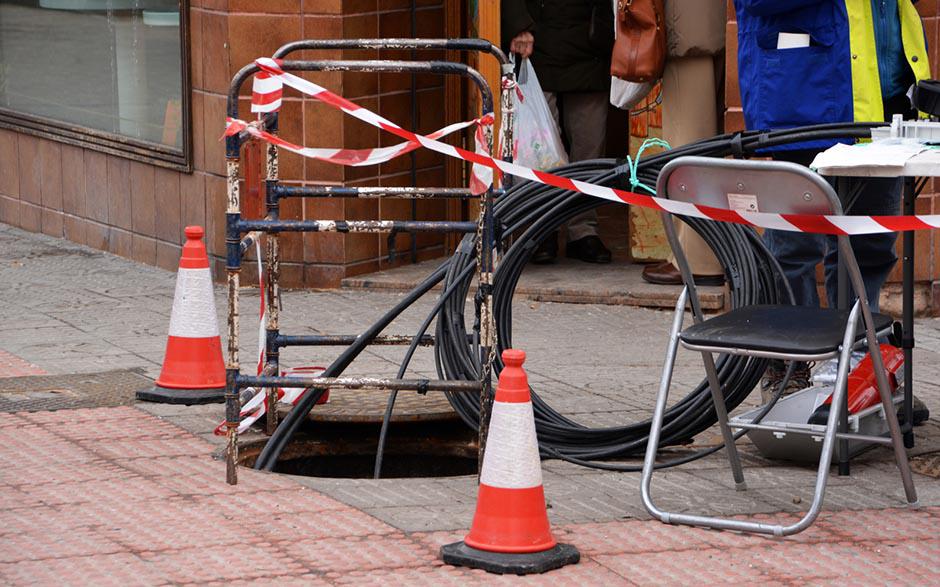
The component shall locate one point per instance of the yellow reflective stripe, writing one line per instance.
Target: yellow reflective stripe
(912, 35)
(866, 83)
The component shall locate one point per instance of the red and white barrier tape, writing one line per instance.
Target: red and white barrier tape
(348, 157)
(257, 406)
(266, 93)
(819, 224)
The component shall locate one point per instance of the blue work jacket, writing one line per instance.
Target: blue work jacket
(835, 79)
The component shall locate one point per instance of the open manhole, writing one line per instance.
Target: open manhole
(347, 451)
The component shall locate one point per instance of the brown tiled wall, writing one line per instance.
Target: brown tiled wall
(927, 266)
(138, 211)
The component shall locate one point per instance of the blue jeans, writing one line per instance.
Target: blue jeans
(799, 253)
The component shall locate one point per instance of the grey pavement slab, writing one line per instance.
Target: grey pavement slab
(69, 309)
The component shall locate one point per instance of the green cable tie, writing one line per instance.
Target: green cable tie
(634, 164)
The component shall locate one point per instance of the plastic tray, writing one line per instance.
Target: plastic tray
(793, 411)
(910, 129)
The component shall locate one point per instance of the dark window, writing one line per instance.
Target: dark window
(105, 73)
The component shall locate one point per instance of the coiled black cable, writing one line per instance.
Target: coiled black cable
(534, 211)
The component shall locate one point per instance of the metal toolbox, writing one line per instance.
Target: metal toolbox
(793, 411)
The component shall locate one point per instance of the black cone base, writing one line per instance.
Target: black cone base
(461, 555)
(189, 397)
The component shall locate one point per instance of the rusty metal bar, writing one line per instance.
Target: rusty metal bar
(468, 45)
(377, 66)
(233, 269)
(346, 226)
(348, 339)
(507, 100)
(377, 383)
(486, 258)
(370, 192)
(272, 292)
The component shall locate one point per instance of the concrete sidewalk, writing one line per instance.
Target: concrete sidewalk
(132, 494)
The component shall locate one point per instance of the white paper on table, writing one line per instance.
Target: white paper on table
(882, 154)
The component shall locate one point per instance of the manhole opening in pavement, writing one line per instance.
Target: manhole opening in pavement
(348, 451)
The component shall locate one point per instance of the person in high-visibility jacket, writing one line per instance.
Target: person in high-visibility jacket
(860, 56)
(805, 62)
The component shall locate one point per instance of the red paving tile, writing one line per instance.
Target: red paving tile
(297, 500)
(12, 498)
(704, 566)
(122, 569)
(9, 420)
(337, 556)
(882, 525)
(29, 546)
(129, 489)
(223, 563)
(417, 577)
(13, 366)
(328, 524)
(54, 473)
(114, 496)
(808, 562)
(148, 448)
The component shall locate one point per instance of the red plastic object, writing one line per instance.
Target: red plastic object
(862, 385)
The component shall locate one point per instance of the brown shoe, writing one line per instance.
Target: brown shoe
(665, 273)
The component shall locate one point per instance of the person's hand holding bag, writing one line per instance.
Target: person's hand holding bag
(536, 135)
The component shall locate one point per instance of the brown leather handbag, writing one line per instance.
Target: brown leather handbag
(639, 53)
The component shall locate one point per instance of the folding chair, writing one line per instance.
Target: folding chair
(792, 333)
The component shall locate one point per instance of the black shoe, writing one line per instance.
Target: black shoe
(589, 249)
(547, 250)
(921, 413)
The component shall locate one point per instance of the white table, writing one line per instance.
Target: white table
(925, 164)
(914, 173)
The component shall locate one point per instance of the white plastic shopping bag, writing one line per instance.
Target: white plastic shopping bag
(625, 95)
(537, 138)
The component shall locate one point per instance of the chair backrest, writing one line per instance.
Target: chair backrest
(755, 186)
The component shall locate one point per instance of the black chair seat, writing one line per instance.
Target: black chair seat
(778, 329)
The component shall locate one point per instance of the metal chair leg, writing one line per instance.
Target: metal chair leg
(722, 412)
(891, 416)
(656, 424)
(832, 427)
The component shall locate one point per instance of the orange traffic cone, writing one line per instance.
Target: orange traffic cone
(510, 531)
(193, 371)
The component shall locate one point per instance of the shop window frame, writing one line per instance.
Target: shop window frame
(114, 143)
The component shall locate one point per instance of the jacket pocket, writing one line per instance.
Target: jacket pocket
(798, 86)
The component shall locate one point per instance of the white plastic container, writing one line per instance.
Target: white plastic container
(793, 411)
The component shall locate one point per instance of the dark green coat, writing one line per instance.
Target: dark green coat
(573, 39)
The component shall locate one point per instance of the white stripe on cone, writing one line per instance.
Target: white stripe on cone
(193, 313)
(511, 460)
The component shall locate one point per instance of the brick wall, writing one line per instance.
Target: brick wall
(927, 259)
(138, 210)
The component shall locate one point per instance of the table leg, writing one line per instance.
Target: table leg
(843, 188)
(907, 317)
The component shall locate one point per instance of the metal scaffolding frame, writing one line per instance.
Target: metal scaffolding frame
(242, 233)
